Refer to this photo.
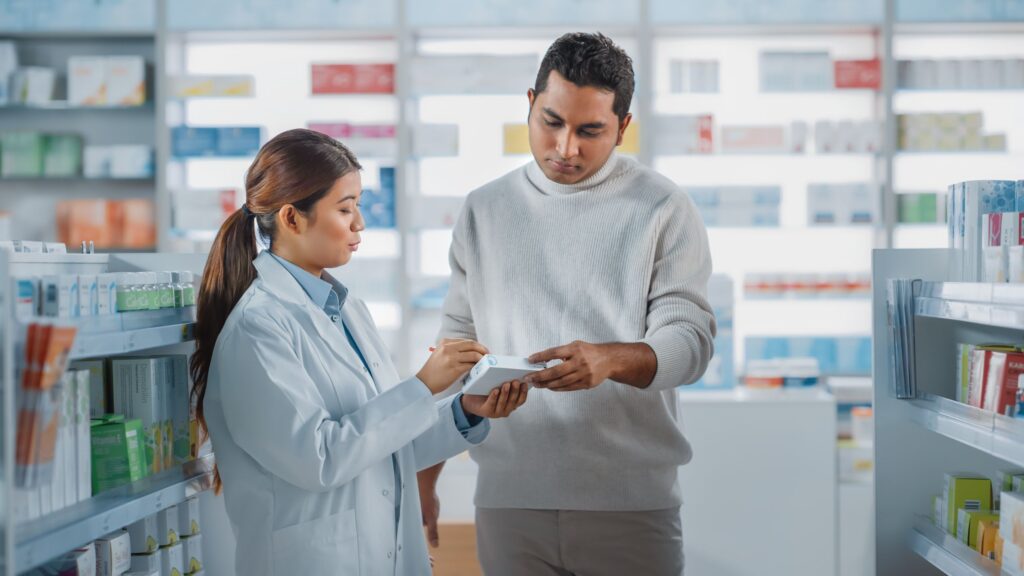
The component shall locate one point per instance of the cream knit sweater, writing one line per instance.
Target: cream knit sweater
(620, 257)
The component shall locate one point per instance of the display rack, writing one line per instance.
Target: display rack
(919, 439)
(31, 543)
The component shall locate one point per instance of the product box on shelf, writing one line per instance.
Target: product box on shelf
(986, 538)
(189, 523)
(167, 526)
(172, 560)
(146, 563)
(218, 86)
(118, 452)
(192, 550)
(87, 81)
(113, 554)
(62, 156)
(239, 140)
(136, 384)
(144, 536)
(126, 80)
(967, 525)
(967, 492)
(353, 78)
(33, 85)
(21, 154)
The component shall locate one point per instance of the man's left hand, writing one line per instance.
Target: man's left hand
(584, 366)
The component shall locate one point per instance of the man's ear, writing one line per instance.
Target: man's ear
(622, 128)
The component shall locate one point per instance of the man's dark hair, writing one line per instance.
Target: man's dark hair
(590, 60)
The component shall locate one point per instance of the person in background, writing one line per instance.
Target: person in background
(589, 258)
(315, 433)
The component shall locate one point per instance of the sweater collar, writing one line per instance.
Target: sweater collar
(551, 188)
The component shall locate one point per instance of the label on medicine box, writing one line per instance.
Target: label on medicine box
(188, 517)
(192, 549)
(113, 554)
(145, 538)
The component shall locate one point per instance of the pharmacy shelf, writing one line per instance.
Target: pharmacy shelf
(947, 553)
(63, 105)
(982, 430)
(46, 538)
(110, 180)
(131, 332)
(998, 305)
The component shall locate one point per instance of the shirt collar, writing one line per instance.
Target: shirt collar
(320, 289)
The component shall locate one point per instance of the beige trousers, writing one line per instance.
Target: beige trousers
(518, 542)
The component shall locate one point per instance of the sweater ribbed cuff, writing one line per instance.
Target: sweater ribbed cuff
(676, 357)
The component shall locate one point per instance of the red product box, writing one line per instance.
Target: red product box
(353, 78)
(995, 229)
(336, 130)
(704, 134)
(858, 74)
(1001, 391)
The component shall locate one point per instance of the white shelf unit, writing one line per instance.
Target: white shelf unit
(29, 544)
(919, 439)
(31, 202)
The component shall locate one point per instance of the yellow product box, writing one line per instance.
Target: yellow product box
(967, 525)
(965, 491)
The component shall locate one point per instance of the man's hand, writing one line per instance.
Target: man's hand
(584, 366)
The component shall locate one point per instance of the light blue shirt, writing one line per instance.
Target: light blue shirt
(330, 295)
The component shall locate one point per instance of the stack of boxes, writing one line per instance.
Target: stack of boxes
(990, 74)
(988, 377)
(168, 543)
(841, 204)
(198, 142)
(106, 81)
(984, 225)
(946, 132)
(740, 206)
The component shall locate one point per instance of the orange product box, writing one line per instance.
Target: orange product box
(138, 224)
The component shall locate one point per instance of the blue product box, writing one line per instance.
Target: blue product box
(996, 195)
(1020, 187)
(703, 196)
(842, 355)
(239, 140)
(192, 142)
(853, 355)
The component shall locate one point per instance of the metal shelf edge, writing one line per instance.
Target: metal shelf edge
(947, 554)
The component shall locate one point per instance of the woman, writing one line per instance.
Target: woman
(317, 440)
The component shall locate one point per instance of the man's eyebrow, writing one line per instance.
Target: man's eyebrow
(588, 126)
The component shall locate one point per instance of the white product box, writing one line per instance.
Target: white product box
(33, 85)
(29, 246)
(145, 538)
(493, 371)
(683, 134)
(435, 140)
(192, 548)
(106, 294)
(172, 560)
(55, 248)
(88, 295)
(60, 296)
(167, 526)
(27, 294)
(98, 400)
(87, 81)
(188, 518)
(166, 375)
(126, 80)
(155, 572)
(825, 137)
(78, 562)
(68, 438)
(83, 450)
(131, 161)
(798, 137)
(146, 563)
(113, 554)
(137, 393)
(970, 74)
(96, 161)
(991, 74)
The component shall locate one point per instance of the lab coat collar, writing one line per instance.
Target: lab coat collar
(281, 282)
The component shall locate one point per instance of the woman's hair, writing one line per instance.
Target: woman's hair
(296, 167)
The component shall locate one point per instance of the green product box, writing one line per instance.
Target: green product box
(1007, 478)
(968, 492)
(21, 154)
(967, 525)
(117, 452)
(62, 156)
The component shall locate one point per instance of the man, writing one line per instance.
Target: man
(594, 260)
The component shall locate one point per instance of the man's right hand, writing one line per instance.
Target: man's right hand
(450, 360)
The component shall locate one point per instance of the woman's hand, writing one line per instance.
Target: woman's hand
(450, 360)
(501, 402)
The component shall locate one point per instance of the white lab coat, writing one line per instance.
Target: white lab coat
(304, 437)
